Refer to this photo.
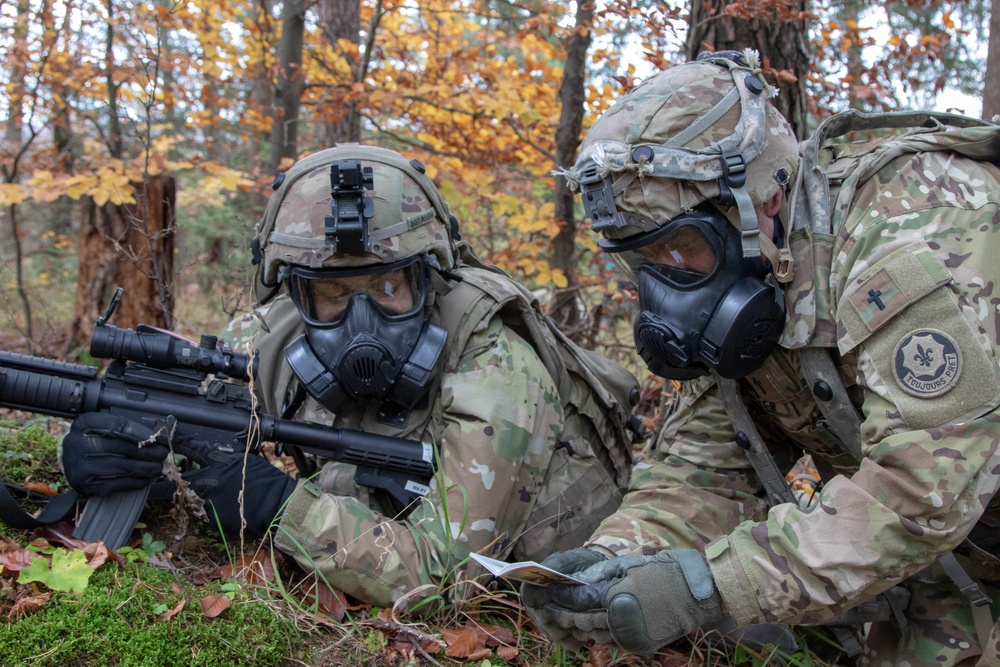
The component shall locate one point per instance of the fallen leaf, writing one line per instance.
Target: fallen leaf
(507, 653)
(600, 654)
(213, 605)
(461, 642)
(97, 554)
(14, 562)
(170, 613)
(41, 487)
(253, 569)
(28, 605)
(68, 571)
(480, 654)
(329, 601)
(493, 635)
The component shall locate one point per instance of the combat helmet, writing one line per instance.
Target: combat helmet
(408, 218)
(699, 132)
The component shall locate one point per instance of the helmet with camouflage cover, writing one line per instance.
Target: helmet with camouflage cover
(698, 132)
(674, 176)
(409, 217)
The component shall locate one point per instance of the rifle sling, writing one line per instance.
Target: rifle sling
(56, 508)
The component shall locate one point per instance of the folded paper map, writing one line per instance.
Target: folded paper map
(530, 571)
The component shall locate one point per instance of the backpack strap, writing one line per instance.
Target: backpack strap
(839, 414)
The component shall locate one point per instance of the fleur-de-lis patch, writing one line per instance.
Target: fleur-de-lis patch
(927, 363)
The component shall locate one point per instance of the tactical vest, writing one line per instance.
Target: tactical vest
(590, 467)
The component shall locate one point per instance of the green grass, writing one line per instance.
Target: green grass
(114, 622)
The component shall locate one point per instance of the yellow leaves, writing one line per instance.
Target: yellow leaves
(948, 22)
(542, 272)
(227, 178)
(11, 194)
(113, 185)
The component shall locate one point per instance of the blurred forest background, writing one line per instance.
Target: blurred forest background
(140, 139)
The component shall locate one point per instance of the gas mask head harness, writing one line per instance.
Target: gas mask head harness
(672, 176)
(359, 271)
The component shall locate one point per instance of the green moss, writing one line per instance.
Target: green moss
(114, 622)
(29, 451)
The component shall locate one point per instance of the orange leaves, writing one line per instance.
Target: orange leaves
(478, 641)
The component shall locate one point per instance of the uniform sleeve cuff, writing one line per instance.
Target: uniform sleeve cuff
(293, 518)
(733, 584)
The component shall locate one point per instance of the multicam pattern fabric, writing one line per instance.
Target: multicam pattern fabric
(519, 476)
(911, 247)
(497, 421)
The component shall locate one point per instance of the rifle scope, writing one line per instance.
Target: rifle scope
(158, 348)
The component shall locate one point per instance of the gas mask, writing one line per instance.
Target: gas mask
(704, 306)
(367, 339)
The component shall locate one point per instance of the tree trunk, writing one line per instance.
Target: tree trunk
(132, 247)
(991, 85)
(783, 43)
(12, 150)
(341, 19)
(566, 304)
(284, 132)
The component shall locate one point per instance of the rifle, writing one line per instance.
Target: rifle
(155, 374)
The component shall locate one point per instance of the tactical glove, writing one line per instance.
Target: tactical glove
(220, 480)
(105, 453)
(537, 599)
(638, 602)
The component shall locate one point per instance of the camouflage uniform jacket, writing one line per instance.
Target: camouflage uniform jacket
(899, 288)
(495, 419)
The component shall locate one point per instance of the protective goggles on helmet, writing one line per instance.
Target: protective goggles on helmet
(322, 295)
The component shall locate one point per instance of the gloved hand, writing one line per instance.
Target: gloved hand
(638, 602)
(105, 453)
(537, 599)
(219, 480)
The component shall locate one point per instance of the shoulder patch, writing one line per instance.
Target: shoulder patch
(927, 363)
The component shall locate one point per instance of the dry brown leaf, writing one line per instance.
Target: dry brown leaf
(28, 605)
(213, 605)
(170, 613)
(600, 654)
(479, 654)
(329, 601)
(507, 653)
(97, 554)
(14, 562)
(493, 635)
(254, 568)
(462, 642)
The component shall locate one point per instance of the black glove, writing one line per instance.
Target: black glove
(219, 481)
(105, 453)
